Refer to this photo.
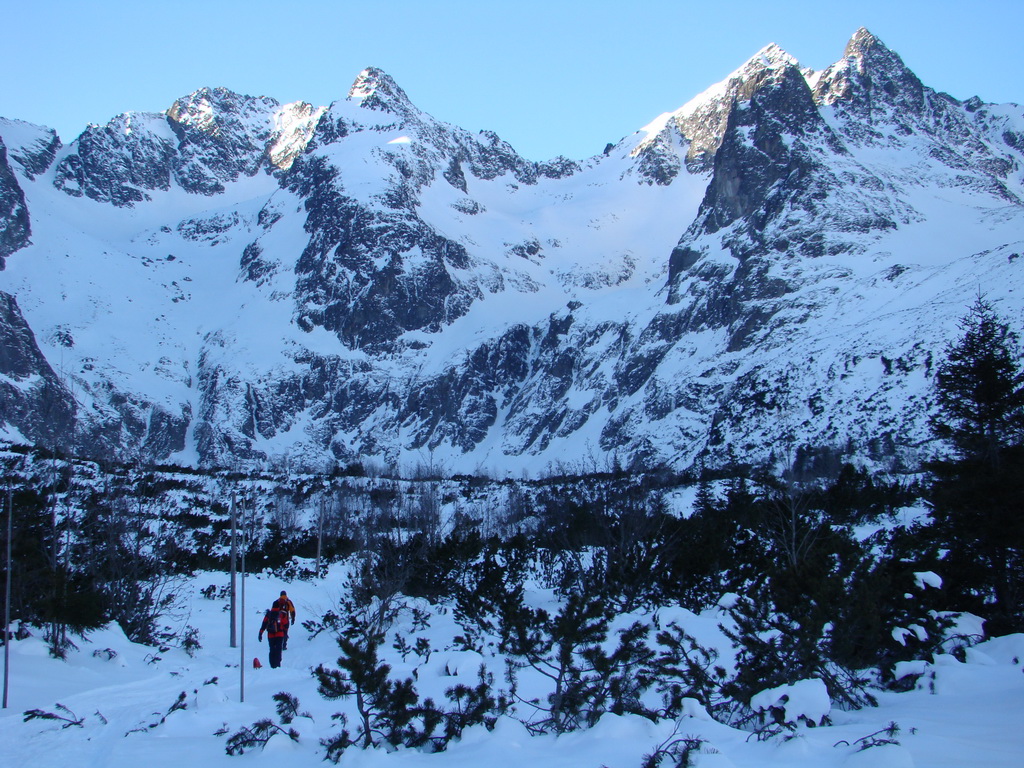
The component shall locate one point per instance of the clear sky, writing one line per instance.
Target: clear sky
(549, 76)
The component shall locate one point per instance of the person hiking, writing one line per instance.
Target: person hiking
(287, 605)
(273, 625)
(284, 603)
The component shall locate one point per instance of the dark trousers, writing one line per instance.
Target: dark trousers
(276, 644)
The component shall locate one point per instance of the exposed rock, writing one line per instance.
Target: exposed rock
(33, 400)
(14, 223)
(205, 140)
(120, 162)
(30, 147)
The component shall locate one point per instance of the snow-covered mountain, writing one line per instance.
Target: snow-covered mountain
(778, 263)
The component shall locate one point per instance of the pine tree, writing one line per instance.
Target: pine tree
(978, 496)
(980, 387)
(388, 711)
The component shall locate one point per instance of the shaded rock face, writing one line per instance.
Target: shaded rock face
(120, 162)
(33, 400)
(370, 274)
(786, 186)
(778, 190)
(14, 222)
(221, 136)
(374, 269)
(701, 126)
(34, 156)
(129, 425)
(771, 138)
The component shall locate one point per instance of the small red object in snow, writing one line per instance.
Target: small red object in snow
(256, 664)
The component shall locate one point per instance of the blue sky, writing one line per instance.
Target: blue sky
(554, 77)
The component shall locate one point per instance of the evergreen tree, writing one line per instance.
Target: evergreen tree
(980, 388)
(978, 495)
(388, 711)
(49, 583)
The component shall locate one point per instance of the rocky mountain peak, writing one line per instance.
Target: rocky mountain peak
(119, 162)
(203, 141)
(871, 56)
(768, 143)
(216, 110)
(772, 56)
(702, 121)
(871, 78)
(376, 89)
(863, 44)
(771, 65)
(32, 148)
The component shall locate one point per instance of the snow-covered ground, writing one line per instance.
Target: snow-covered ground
(961, 714)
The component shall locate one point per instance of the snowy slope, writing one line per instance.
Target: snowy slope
(961, 713)
(779, 262)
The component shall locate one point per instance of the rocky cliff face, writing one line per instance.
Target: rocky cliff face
(374, 268)
(815, 175)
(204, 141)
(32, 148)
(34, 403)
(776, 264)
(14, 223)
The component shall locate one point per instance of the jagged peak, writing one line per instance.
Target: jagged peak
(128, 122)
(769, 67)
(215, 94)
(772, 56)
(32, 146)
(867, 55)
(201, 108)
(868, 51)
(376, 89)
(862, 43)
(702, 120)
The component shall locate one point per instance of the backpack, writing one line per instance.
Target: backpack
(281, 609)
(273, 622)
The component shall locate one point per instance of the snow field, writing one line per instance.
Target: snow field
(960, 714)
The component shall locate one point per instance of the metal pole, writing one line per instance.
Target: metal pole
(234, 552)
(241, 665)
(7, 597)
(320, 533)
